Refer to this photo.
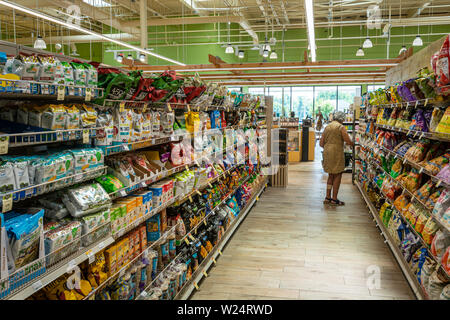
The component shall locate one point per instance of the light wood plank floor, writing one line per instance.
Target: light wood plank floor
(292, 246)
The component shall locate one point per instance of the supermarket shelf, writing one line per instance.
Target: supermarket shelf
(161, 175)
(60, 269)
(122, 270)
(190, 285)
(228, 196)
(39, 189)
(413, 197)
(52, 136)
(413, 164)
(35, 90)
(141, 144)
(417, 103)
(411, 228)
(417, 134)
(407, 272)
(173, 105)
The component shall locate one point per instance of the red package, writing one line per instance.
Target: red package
(143, 90)
(442, 65)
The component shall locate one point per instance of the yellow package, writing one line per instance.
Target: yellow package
(192, 121)
(111, 260)
(444, 124)
(88, 116)
(72, 117)
(383, 209)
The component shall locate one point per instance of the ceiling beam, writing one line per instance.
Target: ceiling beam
(187, 20)
(136, 8)
(83, 38)
(300, 82)
(281, 65)
(293, 74)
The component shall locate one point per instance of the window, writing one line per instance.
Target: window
(373, 87)
(277, 94)
(324, 100)
(235, 89)
(346, 95)
(302, 101)
(256, 90)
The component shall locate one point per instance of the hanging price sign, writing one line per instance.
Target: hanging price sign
(85, 136)
(122, 107)
(61, 92)
(7, 203)
(4, 144)
(88, 94)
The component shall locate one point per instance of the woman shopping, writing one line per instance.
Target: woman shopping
(332, 142)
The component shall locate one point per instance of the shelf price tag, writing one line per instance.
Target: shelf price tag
(169, 107)
(204, 222)
(101, 245)
(88, 94)
(122, 193)
(220, 252)
(85, 136)
(417, 102)
(196, 286)
(421, 170)
(144, 293)
(198, 192)
(190, 199)
(257, 198)
(122, 107)
(214, 260)
(209, 184)
(61, 92)
(426, 102)
(186, 240)
(421, 136)
(188, 108)
(7, 203)
(37, 285)
(4, 143)
(205, 274)
(144, 108)
(125, 147)
(190, 236)
(186, 167)
(439, 183)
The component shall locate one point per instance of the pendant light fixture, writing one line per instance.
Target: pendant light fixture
(367, 43)
(142, 57)
(229, 48)
(119, 58)
(130, 56)
(360, 52)
(39, 43)
(403, 49)
(265, 53)
(273, 55)
(418, 41)
(272, 39)
(241, 54)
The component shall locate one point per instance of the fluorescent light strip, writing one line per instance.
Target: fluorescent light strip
(75, 27)
(310, 22)
(285, 67)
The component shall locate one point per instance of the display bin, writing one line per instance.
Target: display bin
(280, 178)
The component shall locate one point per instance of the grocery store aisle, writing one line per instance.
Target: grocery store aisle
(292, 246)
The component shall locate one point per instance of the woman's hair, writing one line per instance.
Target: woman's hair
(339, 116)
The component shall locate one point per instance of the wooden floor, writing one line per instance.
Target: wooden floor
(292, 246)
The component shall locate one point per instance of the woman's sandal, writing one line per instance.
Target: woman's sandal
(337, 202)
(327, 200)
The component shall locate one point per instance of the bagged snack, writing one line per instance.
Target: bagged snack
(72, 117)
(62, 237)
(444, 174)
(110, 183)
(439, 244)
(31, 67)
(64, 73)
(443, 64)
(445, 294)
(123, 122)
(48, 69)
(54, 117)
(91, 75)
(435, 165)
(79, 73)
(86, 199)
(104, 136)
(429, 231)
(444, 124)
(436, 118)
(446, 260)
(88, 116)
(436, 284)
(23, 229)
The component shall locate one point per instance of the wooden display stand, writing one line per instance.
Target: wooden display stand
(294, 139)
(280, 179)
